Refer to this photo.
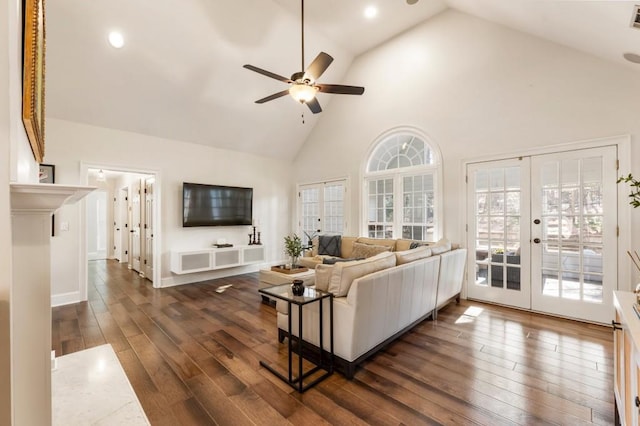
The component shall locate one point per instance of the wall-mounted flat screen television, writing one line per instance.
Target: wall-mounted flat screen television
(215, 205)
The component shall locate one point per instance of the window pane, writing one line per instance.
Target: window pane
(417, 219)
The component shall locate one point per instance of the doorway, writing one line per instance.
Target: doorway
(543, 232)
(129, 213)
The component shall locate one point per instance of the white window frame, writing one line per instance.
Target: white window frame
(322, 184)
(397, 175)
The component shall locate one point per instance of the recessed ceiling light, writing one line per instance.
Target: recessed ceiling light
(116, 39)
(412, 1)
(370, 12)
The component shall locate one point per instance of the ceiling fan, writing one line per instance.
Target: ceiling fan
(303, 85)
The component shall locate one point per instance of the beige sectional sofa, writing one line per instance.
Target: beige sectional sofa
(378, 298)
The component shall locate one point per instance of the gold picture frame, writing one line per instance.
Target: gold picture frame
(33, 75)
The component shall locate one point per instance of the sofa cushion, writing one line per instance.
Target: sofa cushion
(344, 273)
(347, 246)
(363, 251)
(378, 242)
(411, 255)
(329, 245)
(443, 245)
(323, 274)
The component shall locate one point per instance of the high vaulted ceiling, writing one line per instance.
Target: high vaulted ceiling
(179, 75)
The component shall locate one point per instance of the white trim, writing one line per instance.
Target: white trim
(623, 144)
(438, 166)
(66, 298)
(346, 206)
(552, 149)
(157, 255)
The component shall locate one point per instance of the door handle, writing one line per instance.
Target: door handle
(536, 240)
(616, 325)
(536, 221)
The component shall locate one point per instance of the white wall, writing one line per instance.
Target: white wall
(476, 89)
(5, 223)
(175, 162)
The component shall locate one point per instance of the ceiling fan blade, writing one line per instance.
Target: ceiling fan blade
(319, 65)
(314, 105)
(267, 73)
(340, 89)
(272, 97)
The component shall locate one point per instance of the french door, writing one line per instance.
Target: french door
(544, 229)
(498, 193)
(321, 209)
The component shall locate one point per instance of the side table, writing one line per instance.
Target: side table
(311, 295)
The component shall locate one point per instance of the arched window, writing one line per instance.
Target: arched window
(402, 188)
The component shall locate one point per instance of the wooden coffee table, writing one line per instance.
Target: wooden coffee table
(269, 278)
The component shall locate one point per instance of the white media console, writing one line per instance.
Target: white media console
(185, 262)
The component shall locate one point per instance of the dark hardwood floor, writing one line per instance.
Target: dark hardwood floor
(192, 356)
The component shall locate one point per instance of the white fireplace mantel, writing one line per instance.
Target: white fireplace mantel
(30, 309)
(45, 197)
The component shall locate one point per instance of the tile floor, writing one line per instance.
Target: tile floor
(90, 388)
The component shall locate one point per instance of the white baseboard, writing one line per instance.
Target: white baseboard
(65, 298)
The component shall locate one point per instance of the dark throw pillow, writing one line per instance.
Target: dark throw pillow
(329, 245)
(416, 244)
(334, 260)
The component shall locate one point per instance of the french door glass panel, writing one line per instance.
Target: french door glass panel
(498, 232)
(322, 209)
(574, 263)
(543, 233)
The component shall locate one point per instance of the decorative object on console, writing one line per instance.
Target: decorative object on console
(222, 245)
(297, 288)
(252, 237)
(47, 173)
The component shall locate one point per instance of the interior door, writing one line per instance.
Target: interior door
(498, 232)
(574, 231)
(117, 246)
(149, 203)
(123, 214)
(135, 225)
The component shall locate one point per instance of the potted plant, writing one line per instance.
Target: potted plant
(293, 248)
(634, 195)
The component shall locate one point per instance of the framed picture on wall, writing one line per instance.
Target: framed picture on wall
(47, 173)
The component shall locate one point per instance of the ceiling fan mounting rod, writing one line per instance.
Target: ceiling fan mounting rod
(302, 23)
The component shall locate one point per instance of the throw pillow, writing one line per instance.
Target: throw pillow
(329, 245)
(323, 274)
(367, 250)
(443, 245)
(416, 244)
(334, 260)
(345, 273)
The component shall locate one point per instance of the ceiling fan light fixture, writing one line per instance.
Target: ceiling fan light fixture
(302, 93)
